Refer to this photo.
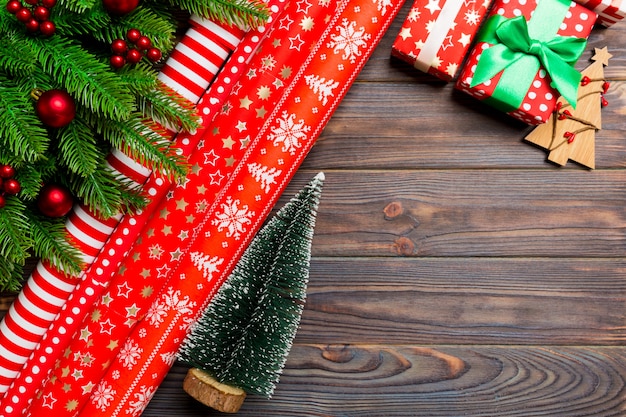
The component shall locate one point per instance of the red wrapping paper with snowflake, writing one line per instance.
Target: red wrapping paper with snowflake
(609, 11)
(437, 34)
(523, 89)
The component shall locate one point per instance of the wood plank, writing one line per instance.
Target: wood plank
(465, 301)
(408, 126)
(507, 213)
(409, 380)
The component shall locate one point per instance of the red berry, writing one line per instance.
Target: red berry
(117, 61)
(143, 43)
(120, 7)
(11, 186)
(3, 201)
(14, 6)
(7, 171)
(48, 3)
(119, 47)
(23, 15)
(32, 2)
(154, 54)
(133, 56)
(133, 35)
(47, 28)
(41, 13)
(32, 25)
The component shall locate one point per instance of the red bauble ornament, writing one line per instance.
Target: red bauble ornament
(56, 108)
(47, 28)
(133, 35)
(3, 201)
(7, 171)
(154, 54)
(11, 186)
(48, 3)
(118, 46)
(14, 6)
(120, 7)
(55, 200)
(32, 2)
(117, 61)
(133, 56)
(23, 15)
(41, 13)
(143, 43)
(32, 25)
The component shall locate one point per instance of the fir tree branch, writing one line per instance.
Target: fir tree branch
(77, 148)
(11, 275)
(167, 107)
(77, 22)
(141, 78)
(50, 243)
(77, 5)
(15, 237)
(16, 58)
(243, 13)
(74, 68)
(20, 129)
(144, 141)
(100, 191)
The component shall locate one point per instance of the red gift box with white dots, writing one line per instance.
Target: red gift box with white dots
(437, 34)
(540, 98)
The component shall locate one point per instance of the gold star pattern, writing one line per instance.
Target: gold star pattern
(96, 315)
(276, 42)
(113, 344)
(260, 112)
(71, 405)
(67, 387)
(195, 168)
(145, 273)
(146, 292)
(190, 219)
(285, 72)
(230, 161)
(263, 92)
(228, 143)
(164, 213)
(167, 230)
(244, 103)
(181, 205)
(201, 189)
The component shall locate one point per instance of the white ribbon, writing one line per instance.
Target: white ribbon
(446, 18)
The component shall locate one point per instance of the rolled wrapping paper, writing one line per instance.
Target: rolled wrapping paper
(161, 244)
(609, 11)
(273, 156)
(35, 312)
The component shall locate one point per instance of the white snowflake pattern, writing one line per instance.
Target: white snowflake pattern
(349, 40)
(102, 396)
(414, 14)
(130, 354)
(142, 397)
(181, 305)
(382, 5)
(206, 264)
(168, 358)
(472, 17)
(289, 133)
(156, 313)
(233, 218)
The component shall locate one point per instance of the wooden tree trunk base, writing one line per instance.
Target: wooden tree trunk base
(206, 389)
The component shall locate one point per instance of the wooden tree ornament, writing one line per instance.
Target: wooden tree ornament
(569, 134)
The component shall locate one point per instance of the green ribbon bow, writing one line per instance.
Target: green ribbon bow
(515, 49)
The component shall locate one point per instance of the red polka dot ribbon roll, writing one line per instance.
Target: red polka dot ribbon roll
(24, 361)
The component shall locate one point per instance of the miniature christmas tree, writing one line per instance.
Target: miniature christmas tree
(241, 342)
(570, 133)
(78, 78)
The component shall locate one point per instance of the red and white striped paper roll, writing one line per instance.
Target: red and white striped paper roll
(88, 232)
(609, 11)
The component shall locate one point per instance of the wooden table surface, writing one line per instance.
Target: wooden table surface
(455, 271)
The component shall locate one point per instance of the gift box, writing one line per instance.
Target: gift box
(521, 64)
(436, 36)
(609, 11)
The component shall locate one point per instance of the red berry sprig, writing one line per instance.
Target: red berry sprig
(36, 18)
(133, 49)
(8, 185)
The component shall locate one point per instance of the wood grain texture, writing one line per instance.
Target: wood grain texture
(388, 380)
(455, 271)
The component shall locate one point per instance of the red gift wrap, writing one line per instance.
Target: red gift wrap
(536, 103)
(609, 11)
(437, 34)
